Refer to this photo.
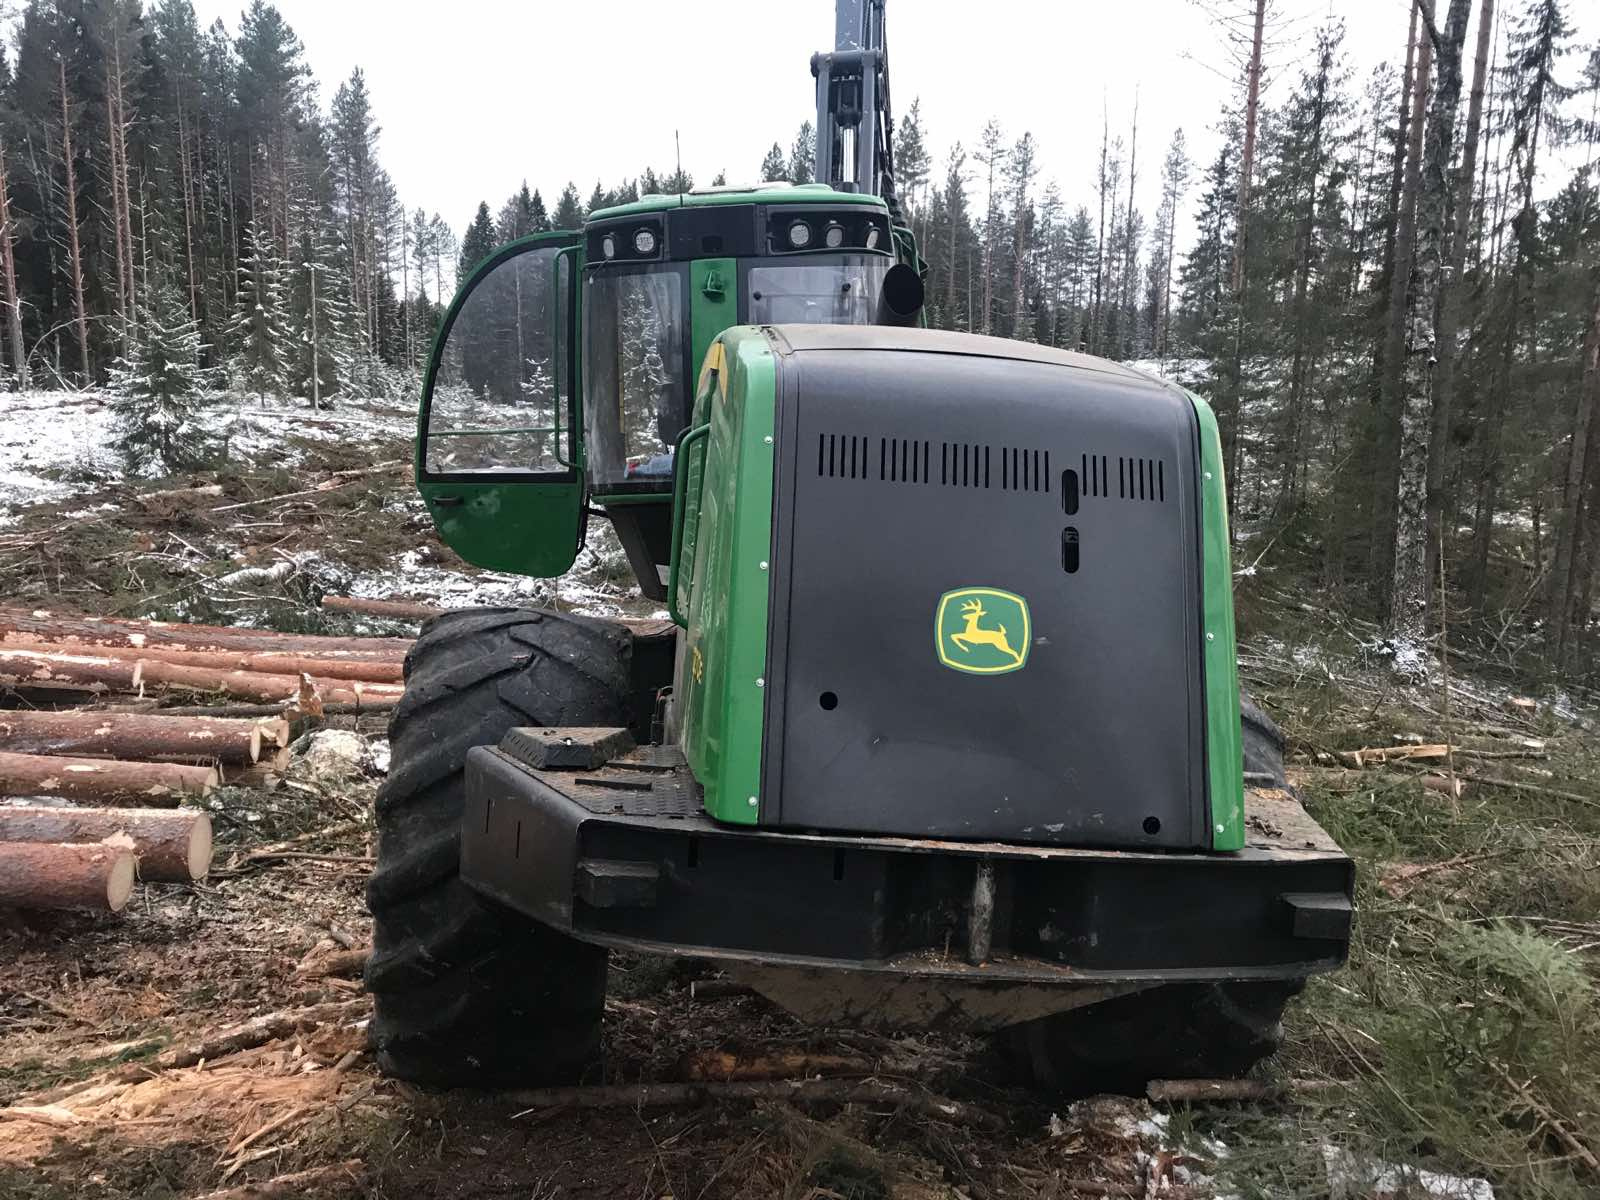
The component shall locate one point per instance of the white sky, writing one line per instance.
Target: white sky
(476, 95)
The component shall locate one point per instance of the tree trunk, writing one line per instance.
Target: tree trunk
(109, 781)
(1408, 606)
(1451, 302)
(1387, 444)
(364, 670)
(21, 625)
(8, 282)
(124, 284)
(45, 875)
(171, 845)
(1564, 579)
(74, 248)
(150, 737)
(1241, 242)
(261, 687)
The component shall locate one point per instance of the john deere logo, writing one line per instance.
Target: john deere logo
(983, 631)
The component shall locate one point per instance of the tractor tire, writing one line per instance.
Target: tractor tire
(1263, 746)
(465, 992)
(1177, 1030)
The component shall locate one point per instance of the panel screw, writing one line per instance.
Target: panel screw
(1208, 474)
(761, 683)
(768, 441)
(763, 566)
(1211, 637)
(753, 804)
(753, 800)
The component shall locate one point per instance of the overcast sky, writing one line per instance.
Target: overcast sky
(476, 95)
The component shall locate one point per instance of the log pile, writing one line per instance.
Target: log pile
(82, 723)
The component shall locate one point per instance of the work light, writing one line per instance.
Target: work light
(644, 241)
(833, 236)
(799, 235)
(608, 246)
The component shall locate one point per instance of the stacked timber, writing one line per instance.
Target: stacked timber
(137, 763)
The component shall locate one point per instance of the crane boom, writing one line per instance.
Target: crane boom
(854, 124)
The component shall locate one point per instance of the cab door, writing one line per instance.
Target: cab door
(499, 458)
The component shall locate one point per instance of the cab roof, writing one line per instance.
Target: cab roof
(761, 193)
(791, 339)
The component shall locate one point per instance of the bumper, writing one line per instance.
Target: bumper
(622, 856)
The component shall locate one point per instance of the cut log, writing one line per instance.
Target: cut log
(261, 687)
(1373, 755)
(66, 670)
(172, 846)
(152, 737)
(385, 669)
(1450, 785)
(160, 785)
(50, 875)
(405, 610)
(89, 633)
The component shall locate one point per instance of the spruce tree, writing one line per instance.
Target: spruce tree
(318, 357)
(257, 329)
(803, 154)
(774, 167)
(569, 212)
(478, 242)
(159, 388)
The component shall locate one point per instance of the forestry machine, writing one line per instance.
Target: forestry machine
(943, 728)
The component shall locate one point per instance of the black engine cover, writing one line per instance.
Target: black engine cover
(918, 470)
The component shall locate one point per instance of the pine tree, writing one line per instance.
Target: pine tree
(158, 390)
(257, 331)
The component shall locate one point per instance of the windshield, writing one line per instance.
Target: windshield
(841, 291)
(635, 373)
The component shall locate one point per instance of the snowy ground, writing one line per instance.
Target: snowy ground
(60, 469)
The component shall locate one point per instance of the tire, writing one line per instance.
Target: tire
(1175, 1031)
(1263, 745)
(465, 992)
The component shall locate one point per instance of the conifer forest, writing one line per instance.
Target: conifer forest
(227, 592)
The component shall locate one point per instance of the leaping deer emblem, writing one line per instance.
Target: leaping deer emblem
(972, 611)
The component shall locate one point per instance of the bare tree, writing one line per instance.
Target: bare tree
(74, 246)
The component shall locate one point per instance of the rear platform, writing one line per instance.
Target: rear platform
(612, 847)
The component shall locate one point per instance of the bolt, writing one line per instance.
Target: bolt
(768, 441)
(1211, 637)
(753, 804)
(1208, 474)
(1219, 828)
(761, 683)
(763, 566)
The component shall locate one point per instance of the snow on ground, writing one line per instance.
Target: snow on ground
(54, 445)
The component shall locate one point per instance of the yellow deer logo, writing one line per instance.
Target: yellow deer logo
(965, 643)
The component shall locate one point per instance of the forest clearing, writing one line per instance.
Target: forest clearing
(212, 1032)
(468, 720)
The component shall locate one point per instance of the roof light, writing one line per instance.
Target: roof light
(833, 236)
(644, 241)
(608, 246)
(799, 235)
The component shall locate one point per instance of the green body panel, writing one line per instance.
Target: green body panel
(809, 193)
(724, 582)
(1224, 751)
(526, 526)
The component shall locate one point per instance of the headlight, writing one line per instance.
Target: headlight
(799, 235)
(833, 236)
(644, 242)
(608, 246)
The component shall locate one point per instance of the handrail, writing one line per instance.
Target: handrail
(680, 486)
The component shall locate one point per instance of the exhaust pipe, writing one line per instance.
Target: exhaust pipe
(900, 298)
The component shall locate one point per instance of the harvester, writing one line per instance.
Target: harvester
(943, 728)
